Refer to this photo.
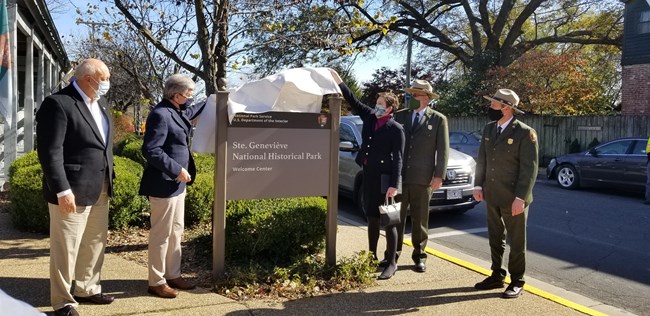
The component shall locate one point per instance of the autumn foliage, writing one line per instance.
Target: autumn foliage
(551, 84)
(123, 126)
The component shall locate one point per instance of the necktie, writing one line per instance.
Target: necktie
(416, 121)
(498, 130)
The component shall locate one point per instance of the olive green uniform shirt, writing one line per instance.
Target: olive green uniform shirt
(507, 165)
(426, 150)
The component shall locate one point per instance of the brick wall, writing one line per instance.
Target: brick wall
(635, 91)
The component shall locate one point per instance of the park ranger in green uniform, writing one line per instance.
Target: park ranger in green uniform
(425, 163)
(505, 175)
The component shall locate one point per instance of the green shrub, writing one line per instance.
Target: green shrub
(204, 163)
(275, 231)
(594, 143)
(127, 208)
(199, 200)
(28, 208)
(28, 159)
(574, 147)
(133, 151)
(118, 147)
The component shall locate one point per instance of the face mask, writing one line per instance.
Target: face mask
(103, 87)
(187, 103)
(494, 115)
(413, 104)
(379, 110)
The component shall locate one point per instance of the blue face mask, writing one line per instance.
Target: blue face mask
(102, 87)
(379, 110)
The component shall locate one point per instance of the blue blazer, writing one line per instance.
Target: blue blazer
(166, 148)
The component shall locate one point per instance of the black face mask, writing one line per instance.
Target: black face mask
(494, 115)
(187, 103)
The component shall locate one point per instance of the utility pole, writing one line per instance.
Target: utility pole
(92, 25)
(409, 48)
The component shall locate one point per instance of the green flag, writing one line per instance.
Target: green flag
(6, 88)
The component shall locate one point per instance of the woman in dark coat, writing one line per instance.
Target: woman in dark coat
(380, 155)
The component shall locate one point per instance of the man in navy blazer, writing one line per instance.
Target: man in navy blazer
(170, 167)
(75, 148)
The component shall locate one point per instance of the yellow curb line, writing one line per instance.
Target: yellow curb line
(531, 289)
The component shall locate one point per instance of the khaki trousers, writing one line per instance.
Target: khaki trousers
(77, 243)
(167, 224)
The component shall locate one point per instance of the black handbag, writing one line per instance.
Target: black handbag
(389, 212)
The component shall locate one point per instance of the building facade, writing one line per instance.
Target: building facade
(38, 62)
(635, 91)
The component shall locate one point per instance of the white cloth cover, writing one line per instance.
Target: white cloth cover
(292, 90)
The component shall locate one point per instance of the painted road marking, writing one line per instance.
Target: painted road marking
(458, 232)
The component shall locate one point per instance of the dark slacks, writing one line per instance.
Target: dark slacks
(415, 199)
(500, 221)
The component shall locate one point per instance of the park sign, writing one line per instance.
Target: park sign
(278, 154)
(274, 154)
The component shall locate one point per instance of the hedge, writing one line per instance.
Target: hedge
(26, 160)
(28, 208)
(275, 231)
(127, 208)
(29, 211)
(199, 200)
(133, 151)
(118, 147)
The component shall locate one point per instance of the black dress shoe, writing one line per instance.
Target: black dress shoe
(99, 299)
(514, 290)
(420, 267)
(67, 310)
(491, 282)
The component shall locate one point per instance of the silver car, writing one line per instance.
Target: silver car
(457, 187)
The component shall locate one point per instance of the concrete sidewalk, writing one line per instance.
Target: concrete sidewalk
(445, 289)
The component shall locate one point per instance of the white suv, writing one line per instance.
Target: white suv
(457, 187)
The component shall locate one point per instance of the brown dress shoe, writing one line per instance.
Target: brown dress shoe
(181, 284)
(163, 291)
(99, 299)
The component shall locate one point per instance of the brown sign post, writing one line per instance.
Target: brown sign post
(275, 154)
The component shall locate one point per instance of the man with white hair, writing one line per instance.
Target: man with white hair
(74, 133)
(506, 170)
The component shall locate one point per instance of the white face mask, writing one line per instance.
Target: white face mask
(379, 110)
(103, 87)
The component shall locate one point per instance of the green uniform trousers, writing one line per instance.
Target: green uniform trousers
(415, 199)
(500, 221)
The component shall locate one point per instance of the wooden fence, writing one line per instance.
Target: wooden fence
(556, 133)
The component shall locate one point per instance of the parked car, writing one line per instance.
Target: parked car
(465, 142)
(620, 163)
(457, 187)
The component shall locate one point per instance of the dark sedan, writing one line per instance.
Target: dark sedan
(620, 163)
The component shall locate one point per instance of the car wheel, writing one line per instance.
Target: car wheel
(361, 206)
(567, 177)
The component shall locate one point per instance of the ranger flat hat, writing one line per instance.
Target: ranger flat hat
(422, 86)
(506, 97)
